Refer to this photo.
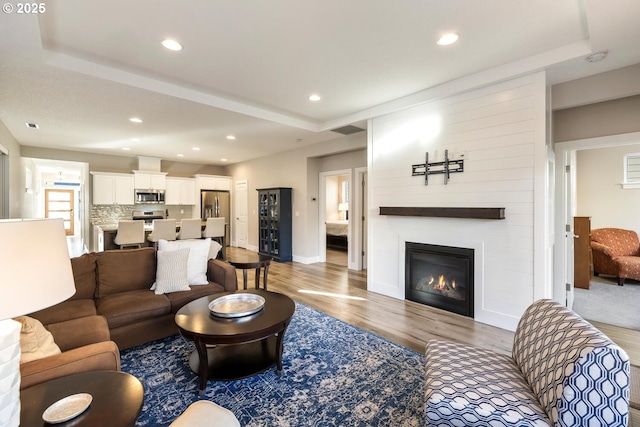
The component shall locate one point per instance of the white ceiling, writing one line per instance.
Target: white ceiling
(82, 68)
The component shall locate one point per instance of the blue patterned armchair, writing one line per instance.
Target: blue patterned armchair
(562, 372)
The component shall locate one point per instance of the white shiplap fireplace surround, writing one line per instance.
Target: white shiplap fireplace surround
(499, 131)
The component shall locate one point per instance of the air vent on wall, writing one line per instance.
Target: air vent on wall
(348, 130)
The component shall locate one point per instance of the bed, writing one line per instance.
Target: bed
(337, 232)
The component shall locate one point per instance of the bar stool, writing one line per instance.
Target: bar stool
(164, 229)
(215, 229)
(190, 229)
(130, 233)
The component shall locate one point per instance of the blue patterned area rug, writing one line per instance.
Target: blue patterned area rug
(334, 374)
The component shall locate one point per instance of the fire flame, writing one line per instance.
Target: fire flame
(442, 284)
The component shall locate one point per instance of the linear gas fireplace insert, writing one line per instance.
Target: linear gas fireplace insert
(440, 276)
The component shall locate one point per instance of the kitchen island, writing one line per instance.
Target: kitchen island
(105, 234)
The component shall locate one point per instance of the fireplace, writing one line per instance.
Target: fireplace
(440, 276)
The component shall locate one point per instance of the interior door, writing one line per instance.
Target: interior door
(364, 220)
(570, 209)
(240, 218)
(60, 204)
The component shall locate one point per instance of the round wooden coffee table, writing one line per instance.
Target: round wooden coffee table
(117, 399)
(234, 348)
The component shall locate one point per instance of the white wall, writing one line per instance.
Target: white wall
(600, 196)
(500, 133)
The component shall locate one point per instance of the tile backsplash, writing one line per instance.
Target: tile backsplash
(110, 214)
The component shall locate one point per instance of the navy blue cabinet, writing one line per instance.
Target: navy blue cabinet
(275, 223)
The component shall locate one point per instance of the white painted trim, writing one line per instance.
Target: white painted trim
(598, 142)
(306, 260)
(357, 215)
(541, 264)
(4, 150)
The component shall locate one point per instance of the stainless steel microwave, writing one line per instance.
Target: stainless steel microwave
(149, 196)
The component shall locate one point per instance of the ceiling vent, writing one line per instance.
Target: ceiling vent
(347, 130)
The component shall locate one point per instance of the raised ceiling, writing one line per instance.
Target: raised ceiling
(82, 68)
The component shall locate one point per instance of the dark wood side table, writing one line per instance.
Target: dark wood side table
(247, 261)
(117, 399)
(234, 348)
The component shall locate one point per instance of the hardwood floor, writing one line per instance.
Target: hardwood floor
(342, 293)
(337, 257)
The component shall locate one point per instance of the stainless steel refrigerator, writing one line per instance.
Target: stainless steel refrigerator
(216, 204)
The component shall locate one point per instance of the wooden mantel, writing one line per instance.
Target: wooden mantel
(473, 213)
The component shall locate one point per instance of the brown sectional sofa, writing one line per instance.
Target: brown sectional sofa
(113, 308)
(86, 346)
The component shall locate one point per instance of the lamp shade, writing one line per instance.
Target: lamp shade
(35, 267)
(343, 207)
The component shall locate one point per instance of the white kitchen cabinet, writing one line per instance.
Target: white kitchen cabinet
(123, 190)
(180, 191)
(112, 188)
(150, 181)
(213, 182)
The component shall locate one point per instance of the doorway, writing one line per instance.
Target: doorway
(567, 204)
(241, 214)
(353, 218)
(336, 209)
(58, 189)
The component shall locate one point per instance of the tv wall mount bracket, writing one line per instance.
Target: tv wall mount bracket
(437, 168)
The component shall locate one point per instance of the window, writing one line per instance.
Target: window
(631, 171)
(344, 192)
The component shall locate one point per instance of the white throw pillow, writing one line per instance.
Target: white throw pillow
(171, 273)
(214, 249)
(198, 257)
(35, 341)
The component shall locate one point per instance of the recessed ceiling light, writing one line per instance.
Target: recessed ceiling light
(172, 45)
(196, 148)
(180, 155)
(135, 120)
(223, 160)
(126, 148)
(597, 56)
(314, 97)
(32, 125)
(231, 137)
(135, 139)
(448, 39)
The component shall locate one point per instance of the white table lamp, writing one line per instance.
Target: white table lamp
(35, 273)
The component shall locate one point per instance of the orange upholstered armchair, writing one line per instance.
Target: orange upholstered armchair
(616, 252)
